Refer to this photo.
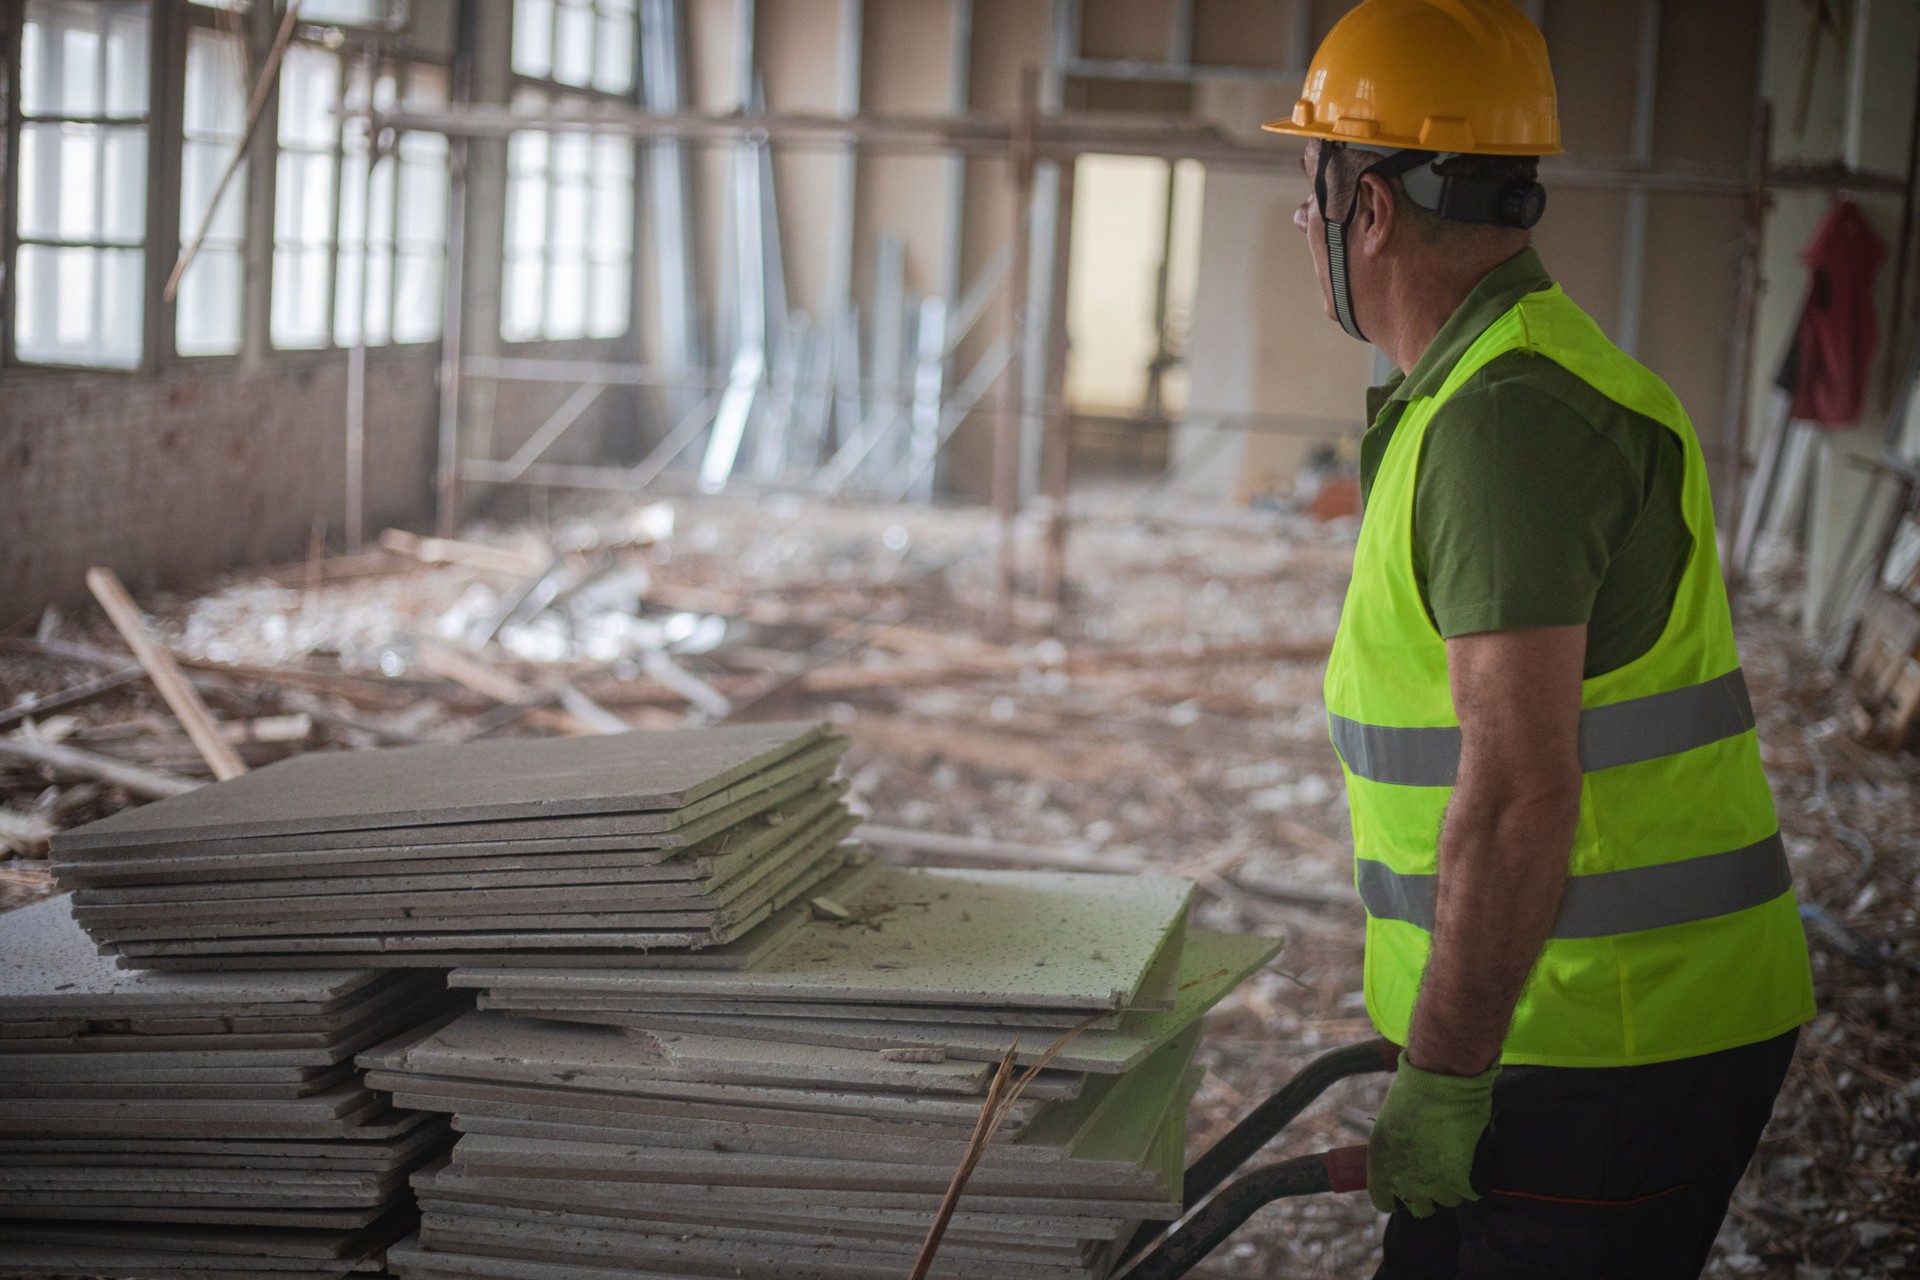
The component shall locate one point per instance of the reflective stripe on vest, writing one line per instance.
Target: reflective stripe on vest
(1611, 902)
(1661, 724)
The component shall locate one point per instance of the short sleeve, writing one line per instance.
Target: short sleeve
(1519, 509)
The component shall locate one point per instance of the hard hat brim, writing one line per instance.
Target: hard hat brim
(1327, 133)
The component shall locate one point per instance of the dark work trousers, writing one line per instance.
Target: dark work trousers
(1600, 1173)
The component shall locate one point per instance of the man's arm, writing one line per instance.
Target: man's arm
(1505, 841)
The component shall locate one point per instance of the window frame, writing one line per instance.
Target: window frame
(155, 332)
(170, 23)
(554, 92)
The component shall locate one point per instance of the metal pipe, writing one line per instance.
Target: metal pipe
(1066, 136)
(1633, 251)
(1006, 438)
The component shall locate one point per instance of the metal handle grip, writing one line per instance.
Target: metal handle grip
(1342, 1169)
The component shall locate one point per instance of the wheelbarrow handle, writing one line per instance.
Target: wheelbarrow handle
(1342, 1169)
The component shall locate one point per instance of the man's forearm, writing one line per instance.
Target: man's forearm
(1502, 870)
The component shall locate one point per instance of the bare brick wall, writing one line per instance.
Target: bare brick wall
(199, 470)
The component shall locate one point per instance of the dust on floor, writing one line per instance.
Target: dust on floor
(1169, 716)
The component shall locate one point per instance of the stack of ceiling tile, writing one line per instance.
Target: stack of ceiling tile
(631, 849)
(191, 1124)
(803, 1117)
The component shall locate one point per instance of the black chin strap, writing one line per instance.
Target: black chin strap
(1336, 228)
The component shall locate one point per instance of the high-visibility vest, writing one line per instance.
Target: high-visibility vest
(1678, 934)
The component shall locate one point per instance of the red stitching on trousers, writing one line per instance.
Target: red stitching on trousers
(1604, 1204)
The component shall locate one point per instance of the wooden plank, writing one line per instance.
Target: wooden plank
(149, 783)
(25, 832)
(166, 675)
(41, 704)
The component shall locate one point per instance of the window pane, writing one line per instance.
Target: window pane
(417, 298)
(567, 298)
(309, 93)
(299, 297)
(526, 215)
(209, 306)
(216, 91)
(533, 37)
(209, 318)
(423, 192)
(126, 37)
(79, 306)
(202, 163)
(615, 52)
(520, 314)
(84, 58)
(573, 44)
(123, 196)
(350, 12)
(611, 285)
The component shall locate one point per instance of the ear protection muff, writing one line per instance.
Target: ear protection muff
(1335, 229)
(1478, 200)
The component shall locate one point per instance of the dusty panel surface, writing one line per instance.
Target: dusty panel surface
(944, 937)
(407, 786)
(1212, 964)
(47, 962)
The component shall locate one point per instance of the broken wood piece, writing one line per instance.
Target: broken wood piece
(37, 705)
(165, 673)
(469, 672)
(25, 833)
(151, 784)
(588, 712)
(657, 664)
(294, 727)
(473, 555)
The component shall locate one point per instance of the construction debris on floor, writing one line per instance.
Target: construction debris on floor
(173, 1124)
(1166, 719)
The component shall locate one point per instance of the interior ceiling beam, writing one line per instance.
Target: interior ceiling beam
(1063, 137)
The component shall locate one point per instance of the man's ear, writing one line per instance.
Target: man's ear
(1378, 215)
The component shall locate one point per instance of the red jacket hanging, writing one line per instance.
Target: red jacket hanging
(1838, 330)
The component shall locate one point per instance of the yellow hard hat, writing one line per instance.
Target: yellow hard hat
(1437, 75)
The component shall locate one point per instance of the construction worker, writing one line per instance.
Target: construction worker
(1580, 921)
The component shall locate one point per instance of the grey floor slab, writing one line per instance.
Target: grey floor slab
(638, 1006)
(745, 941)
(939, 937)
(344, 1099)
(135, 1054)
(398, 996)
(491, 1046)
(317, 1245)
(314, 1219)
(586, 1193)
(832, 1107)
(196, 1088)
(691, 871)
(566, 1243)
(513, 778)
(873, 1223)
(411, 1133)
(1213, 963)
(638, 838)
(777, 848)
(48, 964)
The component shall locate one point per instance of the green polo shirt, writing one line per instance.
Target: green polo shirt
(1538, 502)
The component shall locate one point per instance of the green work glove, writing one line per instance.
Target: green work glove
(1421, 1151)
